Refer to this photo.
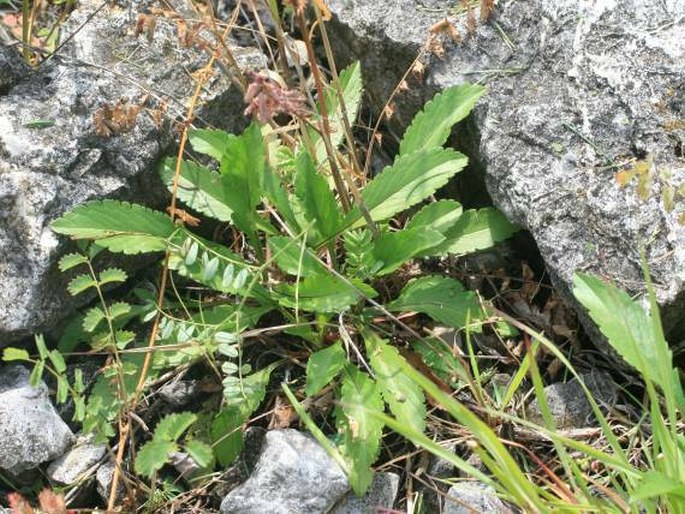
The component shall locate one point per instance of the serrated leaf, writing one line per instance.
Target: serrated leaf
(403, 396)
(442, 298)
(432, 125)
(71, 260)
(476, 230)
(172, 426)
(440, 216)
(200, 452)
(112, 275)
(394, 249)
(323, 366)
(117, 226)
(124, 338)
(57, 361)
(408, 181)
(152, 456)
(290, 257)
(316, 200)
(322, 293)
(14, 354)
(36, 374)
(200, 189)
(362, 436)
(62, 393)
(210, 142)
(351, 86)
(118, 309)
(92, 319)
(79, 284)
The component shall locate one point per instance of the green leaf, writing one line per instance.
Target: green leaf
(117, 226)
(351, 87)
(443, 299)
(626, 325)
(200, 189)
(71, 260)
(322, 293)
(79, 284)
(36, 373)
(112, 275)
(172, 426)
(124, 338)
(402, 395)
(42, 348)
(62, 393)
(227, 435)
(152, 456)
(438, 357)
(15, 354)
(410, 180)
(655, 484)
(323, 366)
(200, 452)
(242, 167)
(362, 432)
(290, 257)
(394, 249)
(432, 126)
(476, 230)
(210, 142)
(316, 200)
(57, 361)
(440, 216)
(118, 309)
(92, 319)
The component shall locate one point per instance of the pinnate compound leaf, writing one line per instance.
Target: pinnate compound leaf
(396, 248)
(442, 298)
(117, 226)
(323, 293)
(112, 275)
(432, 125)
(200, 189)
(476, 230)
(323, 366)
(172, 426)
(408, 181)
(316, 200)
(71, 260)
(210, 142)
(152, 456)
(80, 283)
(403, 396)
(362, 432)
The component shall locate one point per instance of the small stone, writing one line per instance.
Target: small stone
(70, 467)
(294, 474)
(179, 393)
(568, 402)
(103, 481)
(31, 431)
(381, 495)
(474, 497)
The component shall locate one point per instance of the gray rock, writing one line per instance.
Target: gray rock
(380, 495)
(70, 467)
(568, 403)
(576, 90)
(294, 475)
(474, 497)
(31, 431)
(103, 481)
(46, 171)
(12, 66)
(179, 393)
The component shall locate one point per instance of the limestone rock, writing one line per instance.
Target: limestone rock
(46, 171)
(578, 91)
(31, 431)
(381, 495)
(294, 475)
(70, 467)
